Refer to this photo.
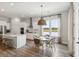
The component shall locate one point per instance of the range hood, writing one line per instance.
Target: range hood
(31, 25)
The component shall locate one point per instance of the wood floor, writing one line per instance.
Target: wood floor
(30, 51)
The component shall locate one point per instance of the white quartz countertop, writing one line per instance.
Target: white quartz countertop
(12, 35)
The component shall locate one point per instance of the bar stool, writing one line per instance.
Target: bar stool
(5, 42)
(0, 38)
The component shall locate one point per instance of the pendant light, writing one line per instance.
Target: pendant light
(41, 21)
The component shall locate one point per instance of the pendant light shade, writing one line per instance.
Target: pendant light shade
(41, 21)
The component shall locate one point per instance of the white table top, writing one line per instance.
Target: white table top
(43, 38)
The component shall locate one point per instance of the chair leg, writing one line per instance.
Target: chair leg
(54, 47)
(38, 51)
(7, 44)
(42, 49)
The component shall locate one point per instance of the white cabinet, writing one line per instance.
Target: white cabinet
(21, 41)
(17, 41)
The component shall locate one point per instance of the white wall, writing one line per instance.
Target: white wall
(36, 27)
(70, 30)
(64, 28)
(16, 24)
(76, 29)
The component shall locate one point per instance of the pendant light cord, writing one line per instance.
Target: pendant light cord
(41, 11)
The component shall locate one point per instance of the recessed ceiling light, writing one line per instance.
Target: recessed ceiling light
(2, 10)
(17, 19)
(12, 4)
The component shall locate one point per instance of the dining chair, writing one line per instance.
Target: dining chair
(6, 42)
(38, 44)
(51, 44)
(0, 38)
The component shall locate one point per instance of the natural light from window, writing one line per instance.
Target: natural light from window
(52, 27)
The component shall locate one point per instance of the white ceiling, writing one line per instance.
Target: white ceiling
(32, 9)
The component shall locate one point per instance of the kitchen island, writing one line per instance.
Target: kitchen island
(17, 41)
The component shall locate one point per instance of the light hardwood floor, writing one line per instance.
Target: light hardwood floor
(30, 51)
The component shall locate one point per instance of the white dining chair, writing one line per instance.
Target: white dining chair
(51, 44)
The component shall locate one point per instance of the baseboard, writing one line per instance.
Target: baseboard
(63, 44)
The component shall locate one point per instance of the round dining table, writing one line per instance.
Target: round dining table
(45, 41)
(44, 38)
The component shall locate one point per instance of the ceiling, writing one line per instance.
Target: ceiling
(32, 9)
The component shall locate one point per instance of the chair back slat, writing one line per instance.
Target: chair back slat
(36, 41)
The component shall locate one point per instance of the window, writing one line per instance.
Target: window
(45, 28)
(52, 27)
(55, 27)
